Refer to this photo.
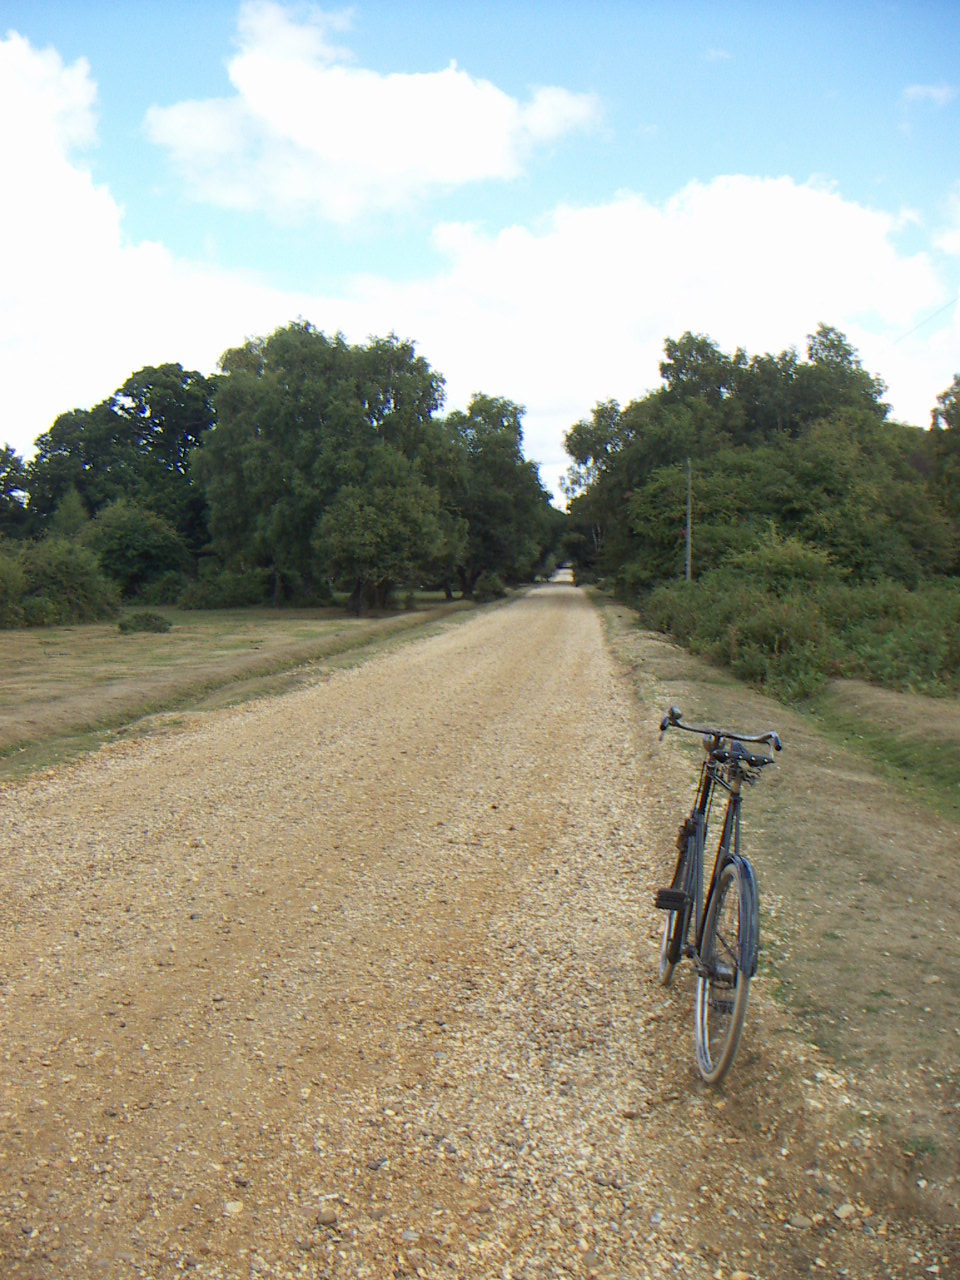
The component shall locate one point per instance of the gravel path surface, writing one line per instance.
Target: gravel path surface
(358, 981)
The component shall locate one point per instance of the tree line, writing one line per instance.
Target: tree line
(825, 537)
(307, 467)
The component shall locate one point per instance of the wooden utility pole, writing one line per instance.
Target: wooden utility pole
(689, 523)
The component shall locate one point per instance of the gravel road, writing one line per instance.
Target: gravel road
(358, 981)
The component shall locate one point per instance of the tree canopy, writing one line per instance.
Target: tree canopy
(330, 466)
(802, 448)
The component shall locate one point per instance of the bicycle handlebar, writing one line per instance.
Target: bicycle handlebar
(673, 720)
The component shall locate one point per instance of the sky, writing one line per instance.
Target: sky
(537, 194)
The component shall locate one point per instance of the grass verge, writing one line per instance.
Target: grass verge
(859, 889)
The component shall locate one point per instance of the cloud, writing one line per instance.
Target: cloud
(556, 315)
(948, 237)
(80, 306)
(940, 95)
(310, 133)
(577, 310)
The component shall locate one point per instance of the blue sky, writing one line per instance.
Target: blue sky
(538, 194)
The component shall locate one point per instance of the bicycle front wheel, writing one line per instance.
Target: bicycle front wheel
(723, 985)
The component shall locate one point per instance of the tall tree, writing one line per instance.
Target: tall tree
(300, 415)
(13, 493)
(504, 503)
(135, 445)
(381, 532)
(945, 444)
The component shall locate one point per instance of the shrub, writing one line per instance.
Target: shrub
(11, 589)
(227, 589)
(489, 586)
(143, 620)
(792, 640)
(135, 545)
(167, 589)
(63, 583)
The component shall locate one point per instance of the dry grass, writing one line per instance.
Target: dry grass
(63, 689)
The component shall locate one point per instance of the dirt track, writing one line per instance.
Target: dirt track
(359, 982)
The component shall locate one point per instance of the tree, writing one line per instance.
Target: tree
(136, 444)
(70, 518)
(63, 583)
(506, 508)
(89, 451)
(945, 448)
(799, 447)
(834, 378)
(382, 532)
(300, 417)
(696, 368)
(169, 411)
(13, 492)
(135, 546)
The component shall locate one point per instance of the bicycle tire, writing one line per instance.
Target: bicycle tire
(676, 923)
(727, 952)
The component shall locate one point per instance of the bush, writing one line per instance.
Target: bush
(791, 640)
(11, 589)
(167, 589)
(489, 586)
(135, 545)
(63, 583)
(143, 620)
(227, 589)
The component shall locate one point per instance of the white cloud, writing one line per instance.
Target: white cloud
(948, 237)
(81, 307)
(577, 311)
(941, 95)
(308, 132)
(555, 316)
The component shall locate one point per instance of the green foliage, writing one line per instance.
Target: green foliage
(63, 583)
(217, 588)
(166, 588)
(135, 546)
(790, 635)
(823, 536)
(328, 464)
(70, 518)
(771, 439)
(11, 587)
(135, 445)
(380, 533)
(510, 525)
(13, 486)
(143, 620)
(489, 586)
(301, 420)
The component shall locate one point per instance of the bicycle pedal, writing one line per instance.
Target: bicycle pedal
(671, 900)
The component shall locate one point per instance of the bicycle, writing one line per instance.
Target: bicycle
(727, 935)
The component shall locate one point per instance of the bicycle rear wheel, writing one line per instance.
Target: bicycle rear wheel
(676, 922)
(723, 985)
